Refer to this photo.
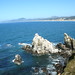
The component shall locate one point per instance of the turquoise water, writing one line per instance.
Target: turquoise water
(13, 33)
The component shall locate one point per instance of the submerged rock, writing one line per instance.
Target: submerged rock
(18, 59)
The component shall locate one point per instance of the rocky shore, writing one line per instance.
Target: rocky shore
(41, 46)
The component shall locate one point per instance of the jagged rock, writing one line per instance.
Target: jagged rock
(74, 44)
(40, 46)
(61, 46)
(43, 46)
(69, 42)
(18, 59)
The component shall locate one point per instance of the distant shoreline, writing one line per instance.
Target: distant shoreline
(38, 21)
(53, 20)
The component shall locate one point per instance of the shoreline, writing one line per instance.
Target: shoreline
(52, 20)
(39, 21)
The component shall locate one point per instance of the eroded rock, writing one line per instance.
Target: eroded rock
(40, 46)
(18, 59)
(69, 42)
(61, 46)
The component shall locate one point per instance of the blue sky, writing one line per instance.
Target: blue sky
(13, 9)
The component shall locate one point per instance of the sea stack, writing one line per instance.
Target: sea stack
(40, 46)
(69, 42)
(18, 59)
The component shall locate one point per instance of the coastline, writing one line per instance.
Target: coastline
(53, 20)
(39, 21)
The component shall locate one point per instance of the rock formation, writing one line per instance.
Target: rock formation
(67, 50)
(70, 68)
(69, 42)
(40, 46)
(18, 59)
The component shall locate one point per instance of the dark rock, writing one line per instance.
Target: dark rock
(27, 48)
(73, 44)
(59, 68)
(36, 69)
(44, 69)
(61, 46)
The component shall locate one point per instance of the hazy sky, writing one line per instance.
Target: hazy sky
(13, 9)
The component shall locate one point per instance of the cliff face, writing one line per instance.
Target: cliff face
(70, 43)
(70, 68)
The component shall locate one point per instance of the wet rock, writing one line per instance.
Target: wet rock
(44, 69)
(27, 48)
(18, 59)
(61, 46)
(59, 68)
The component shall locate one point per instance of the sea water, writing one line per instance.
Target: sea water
(11, 34)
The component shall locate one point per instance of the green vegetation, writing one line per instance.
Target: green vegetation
(70, 68)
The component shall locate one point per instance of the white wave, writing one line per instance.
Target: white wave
(55, 43)
(24, 44)
(8, 45)
(5, 46)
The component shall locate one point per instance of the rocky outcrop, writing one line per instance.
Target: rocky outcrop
(69, 42)
(18, 59)
(43, 46)
(70, 68)
(40, 46)
(61, 46)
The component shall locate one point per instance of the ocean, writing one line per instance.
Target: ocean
(23, 32)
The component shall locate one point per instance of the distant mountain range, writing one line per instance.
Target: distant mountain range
(54, 18)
